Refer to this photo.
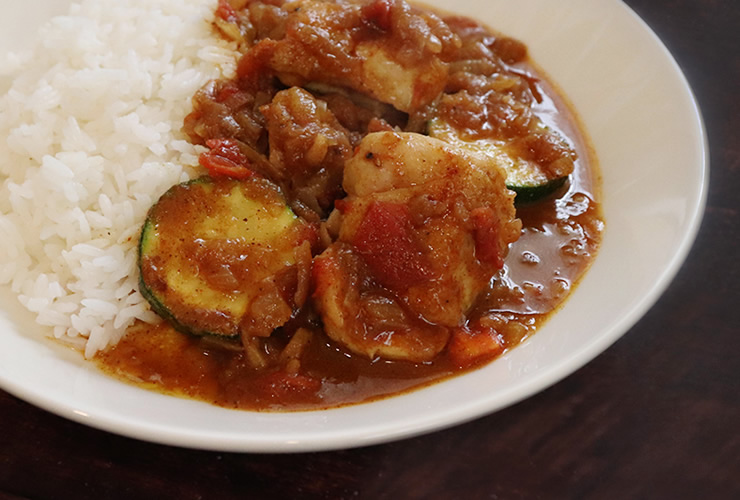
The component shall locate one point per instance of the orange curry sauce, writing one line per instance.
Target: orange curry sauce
(559, 239)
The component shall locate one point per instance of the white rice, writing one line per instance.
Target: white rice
(90, 128)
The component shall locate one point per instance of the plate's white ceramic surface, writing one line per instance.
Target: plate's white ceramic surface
(648, 135)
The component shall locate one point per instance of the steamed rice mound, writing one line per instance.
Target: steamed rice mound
(90, 123)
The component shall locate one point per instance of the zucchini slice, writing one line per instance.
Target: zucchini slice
(224, 257)
(527, 179)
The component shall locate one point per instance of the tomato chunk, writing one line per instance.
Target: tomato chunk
(225, 159)
(471, 345)
(225, 11)
(485, 225)
(385, 240)
(378, 14)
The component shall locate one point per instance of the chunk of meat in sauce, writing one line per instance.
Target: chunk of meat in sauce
(489, 96)
(424, 228)
(383, 49)
(491, 92)
(308, 145)
(230, 109)
(365, 317)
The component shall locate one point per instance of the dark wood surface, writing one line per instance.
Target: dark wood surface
(656, 416)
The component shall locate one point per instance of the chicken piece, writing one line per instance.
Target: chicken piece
(367, 318)
(308, 146)
(424, 228)
(383, 49)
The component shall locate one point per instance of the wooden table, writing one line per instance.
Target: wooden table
(655, 416)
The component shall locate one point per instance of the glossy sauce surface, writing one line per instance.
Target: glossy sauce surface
(559, 239)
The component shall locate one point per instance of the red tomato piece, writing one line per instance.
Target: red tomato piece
(225, 159)
(471, 345)
(225, 11)
(485, 226)
(378, 13)
(342, 205)
(386, 241)
(325, 271)
(226, 92)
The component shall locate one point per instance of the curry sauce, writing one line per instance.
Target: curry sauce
(300, 133)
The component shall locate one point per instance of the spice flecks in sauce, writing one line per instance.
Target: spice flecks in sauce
(490, 91)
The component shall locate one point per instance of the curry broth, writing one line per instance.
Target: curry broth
(560, 237)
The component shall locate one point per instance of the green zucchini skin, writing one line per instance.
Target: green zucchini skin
(210, 248)
(146, 292)
(527, 179)
(533, 193)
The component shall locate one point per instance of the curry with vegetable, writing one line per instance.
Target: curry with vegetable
(390, 196)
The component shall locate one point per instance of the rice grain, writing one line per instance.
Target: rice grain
(91, 125)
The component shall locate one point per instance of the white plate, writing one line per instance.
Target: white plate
(648, 134)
